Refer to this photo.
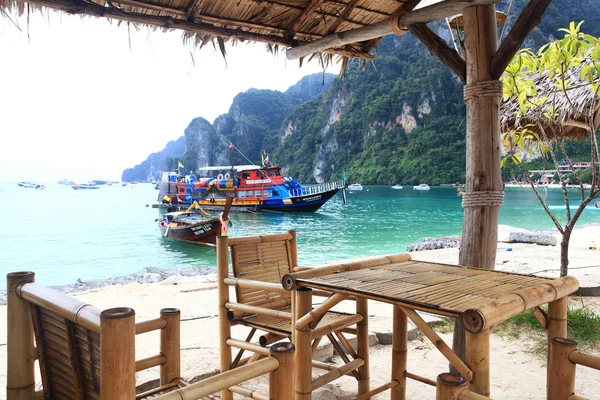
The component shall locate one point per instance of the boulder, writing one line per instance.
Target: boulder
(433, 244)
(542, 239)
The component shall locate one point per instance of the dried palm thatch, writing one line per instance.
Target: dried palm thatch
(577, 108)
(278, 23)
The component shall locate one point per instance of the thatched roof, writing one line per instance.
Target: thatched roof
(285, 23)
(573, 108)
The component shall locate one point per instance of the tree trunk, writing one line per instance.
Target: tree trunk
(480, 224)
(564, 251)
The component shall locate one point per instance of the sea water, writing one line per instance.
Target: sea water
(64, 235)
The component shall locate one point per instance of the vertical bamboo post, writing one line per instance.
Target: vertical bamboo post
(478, 361)
(561, 371)
(20, 378)
(449, 386)
(303, 354)
(362, 345)
(399, 353)
(281, 381)
(117, 354)
(480, 223)
(294, 256)
(224, 326)
(557, 320)
(170, 337)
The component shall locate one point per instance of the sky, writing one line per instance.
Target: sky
(84, 99)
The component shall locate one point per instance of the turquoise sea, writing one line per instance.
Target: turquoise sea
(63, 234)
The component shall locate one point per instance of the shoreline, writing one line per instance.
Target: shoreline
(150, 275)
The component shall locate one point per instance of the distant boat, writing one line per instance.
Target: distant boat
(40, 187)
(397, 186)
(84, 186)
(25, 184)
(65, 182)
(195, 226)
(124, 184)
(355, 187)
(422, 186)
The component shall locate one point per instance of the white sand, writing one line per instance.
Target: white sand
(516, 372)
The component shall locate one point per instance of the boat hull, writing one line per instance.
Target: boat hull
(205, 232)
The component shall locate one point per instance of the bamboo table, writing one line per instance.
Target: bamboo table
(481, 298)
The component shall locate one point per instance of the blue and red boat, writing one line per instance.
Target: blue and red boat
(253, 187)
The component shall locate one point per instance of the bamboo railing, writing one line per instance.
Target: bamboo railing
(563, 358)
(35, 311)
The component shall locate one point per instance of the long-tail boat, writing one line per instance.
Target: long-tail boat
(195, 225)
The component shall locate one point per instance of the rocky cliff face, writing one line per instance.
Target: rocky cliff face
(151, 168)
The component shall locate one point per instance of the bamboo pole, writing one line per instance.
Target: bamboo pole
(420, 378)
(362, 345)
(67, 307)
(336, 373)
(335, 325)
(240, 344)
(249, 393)
(117, 354)
(377, 390)
(150, 362)
(170, 337)
(259, 239)
(150, 325)
(289, 280)
(319, 311)
(456, 362)
(449, 386)
(399, 353)
(250, 284)
(293, 247)
(561, 371)
(222, 381)
(270, 338)
(281, 380)
(223, 298)
(587, 360)
(483, 173)
(478, 360)
(267, 312)
(468, 395)
(303, 354)
(20, 378)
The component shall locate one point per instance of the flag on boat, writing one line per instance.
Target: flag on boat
(344, 199)
(265, 158)
(231, 146)
(179, 164)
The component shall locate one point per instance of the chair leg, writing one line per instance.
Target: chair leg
(399, 353)
(362, 344)
(224, 325)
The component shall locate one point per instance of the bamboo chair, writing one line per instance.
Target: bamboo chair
(85, 353)
(258, 264)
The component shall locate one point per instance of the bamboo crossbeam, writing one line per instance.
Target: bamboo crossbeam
(419, 378)
(588, 360)
(452, 358)
(319, 311)
(269, 338)
(571, 397)
(249, 393)
(327, 367)
(347, 345)
(541, 316)
(351, 331)
(267, 312)
(336, 373)
(377, 390)
(493, 312)
(334, 326)
(395, 24)
(255, 348)
(150, 325)
(270, 304)
(251, 284)
(223, 381)
(67, 307)
(150, 362)
(289, 280)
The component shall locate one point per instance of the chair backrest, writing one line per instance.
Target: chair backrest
(263, 258)
(69, 356)
(83, 352)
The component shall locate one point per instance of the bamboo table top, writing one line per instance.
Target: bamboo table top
(443, 289)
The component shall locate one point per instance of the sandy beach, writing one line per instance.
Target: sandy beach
(517, 371)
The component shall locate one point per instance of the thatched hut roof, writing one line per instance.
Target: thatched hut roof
(285, 23)
(574, 108)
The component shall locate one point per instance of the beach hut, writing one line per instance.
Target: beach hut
(351, 29)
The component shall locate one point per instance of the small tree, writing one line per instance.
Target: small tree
(551, 96)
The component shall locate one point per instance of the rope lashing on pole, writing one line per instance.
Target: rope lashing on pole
(482, 89)
(491, 198)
